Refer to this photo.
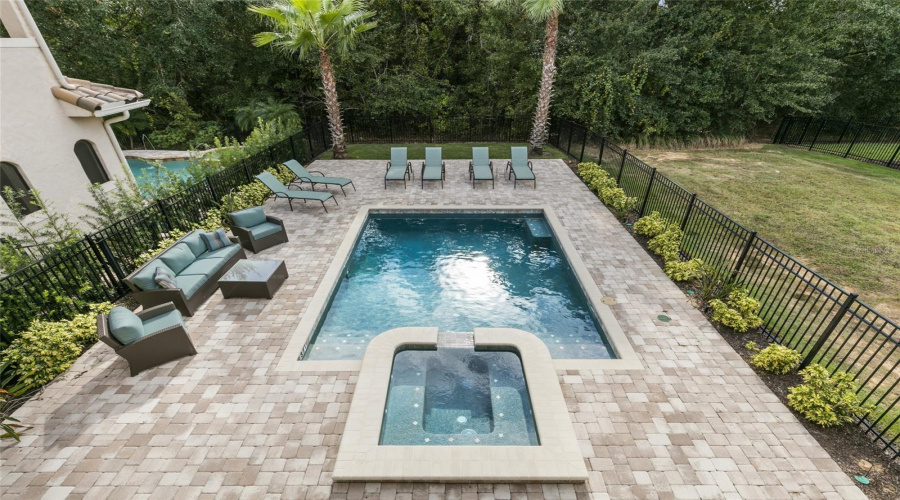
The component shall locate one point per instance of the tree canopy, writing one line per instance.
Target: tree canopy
(646, 68)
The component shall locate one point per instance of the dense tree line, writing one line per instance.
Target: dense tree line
(631, 69)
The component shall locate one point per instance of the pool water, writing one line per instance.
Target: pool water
(458, 397)
(146, 174)
(458, 272)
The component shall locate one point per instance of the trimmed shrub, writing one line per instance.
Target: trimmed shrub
(616, 199)
(667, 243)
(684, 271)
(651, 225)
(774, 358)
(826, 400)
(737, 311)
(48, 348)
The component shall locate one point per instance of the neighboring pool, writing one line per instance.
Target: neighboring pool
(458, 397)
(458, 272)
(146, 174)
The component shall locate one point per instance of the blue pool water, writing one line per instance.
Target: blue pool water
(458, 397)
(458, 272)
(146, 174)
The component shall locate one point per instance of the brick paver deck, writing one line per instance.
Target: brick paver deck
(696, 422)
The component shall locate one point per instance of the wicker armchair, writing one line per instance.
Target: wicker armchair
(254, 244)
(155, 348)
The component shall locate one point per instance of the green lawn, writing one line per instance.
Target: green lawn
(450, 151)
(838, 216)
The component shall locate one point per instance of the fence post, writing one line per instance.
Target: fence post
(600, 156)
(621, 166)
(111, 259)
(828, 330)
(805, 128)
(569, 144)
(740, 262)
(894, 157)
(247, 170)
(784, 121)
(583, 144)
(855, 135)
(309, 140)
(687, 212)
(844, 132)
(324, 137)
(162, 210)
(647, 193)
(212, 189)
(107, 267)
(816, 137)
(293, 149)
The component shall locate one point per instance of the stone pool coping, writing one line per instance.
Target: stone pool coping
(290, 360)
(557, 459)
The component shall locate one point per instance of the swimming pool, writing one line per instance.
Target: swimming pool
(457, 272)
(146, 174)
(458, 397)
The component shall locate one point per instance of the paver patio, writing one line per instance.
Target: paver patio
(696, 422)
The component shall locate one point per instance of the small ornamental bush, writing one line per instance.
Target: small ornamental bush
(667, 243)
(737, 311)
(48, 348)
(684, 271)
(775, 358)
(616, 199)
(826, 400)
(589, 172)
(651, 225)
(601, 183)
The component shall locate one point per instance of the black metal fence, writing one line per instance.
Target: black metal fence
(879, 144)
(800, 308)
(91, 270)
(362, 129)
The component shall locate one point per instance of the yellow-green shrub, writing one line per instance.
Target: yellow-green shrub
(616, 199)
(600, 182)
(651, 225)
(737, 311)
(775, 358)
(48, 348)
(667, 243)
(826, 400)
(684, 271)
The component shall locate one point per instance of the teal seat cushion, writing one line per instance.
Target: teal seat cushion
(222, 253)
(189, 284)
(249, 217)
(523, 173)
(195, 242)
(145, 279)
(178, 257)
(396, 172)
(264, 229)
(161, 322)
(124, 325)
(203, 267)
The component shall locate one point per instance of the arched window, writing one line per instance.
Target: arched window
(90, 162)
(11, 177)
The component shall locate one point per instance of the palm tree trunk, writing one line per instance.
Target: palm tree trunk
(332, 106)
(548, 74)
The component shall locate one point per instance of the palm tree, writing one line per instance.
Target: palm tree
(320, 26)
(271, 109)
(543, 10)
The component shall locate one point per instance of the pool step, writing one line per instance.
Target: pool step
(456, 340)
(539, 230)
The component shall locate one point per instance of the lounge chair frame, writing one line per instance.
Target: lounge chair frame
(312, 180)
(472, 173)
(511, 173)
(153, 350)
(246, 237)
(407, 175)
(283, 194)
(443, 174)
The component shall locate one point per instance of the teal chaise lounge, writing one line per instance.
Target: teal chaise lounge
(398, 169)
(304, 175)
(195, 270)
(481, 168)
(519, 167)
(147, 339)
(256, 230)
(433, 168)
(279, 190)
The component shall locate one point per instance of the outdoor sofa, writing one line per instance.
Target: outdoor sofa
(195, 268)
(256, 230)
(147, 339)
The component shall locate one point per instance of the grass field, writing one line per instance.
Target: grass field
(840, 217)
(450, 151)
